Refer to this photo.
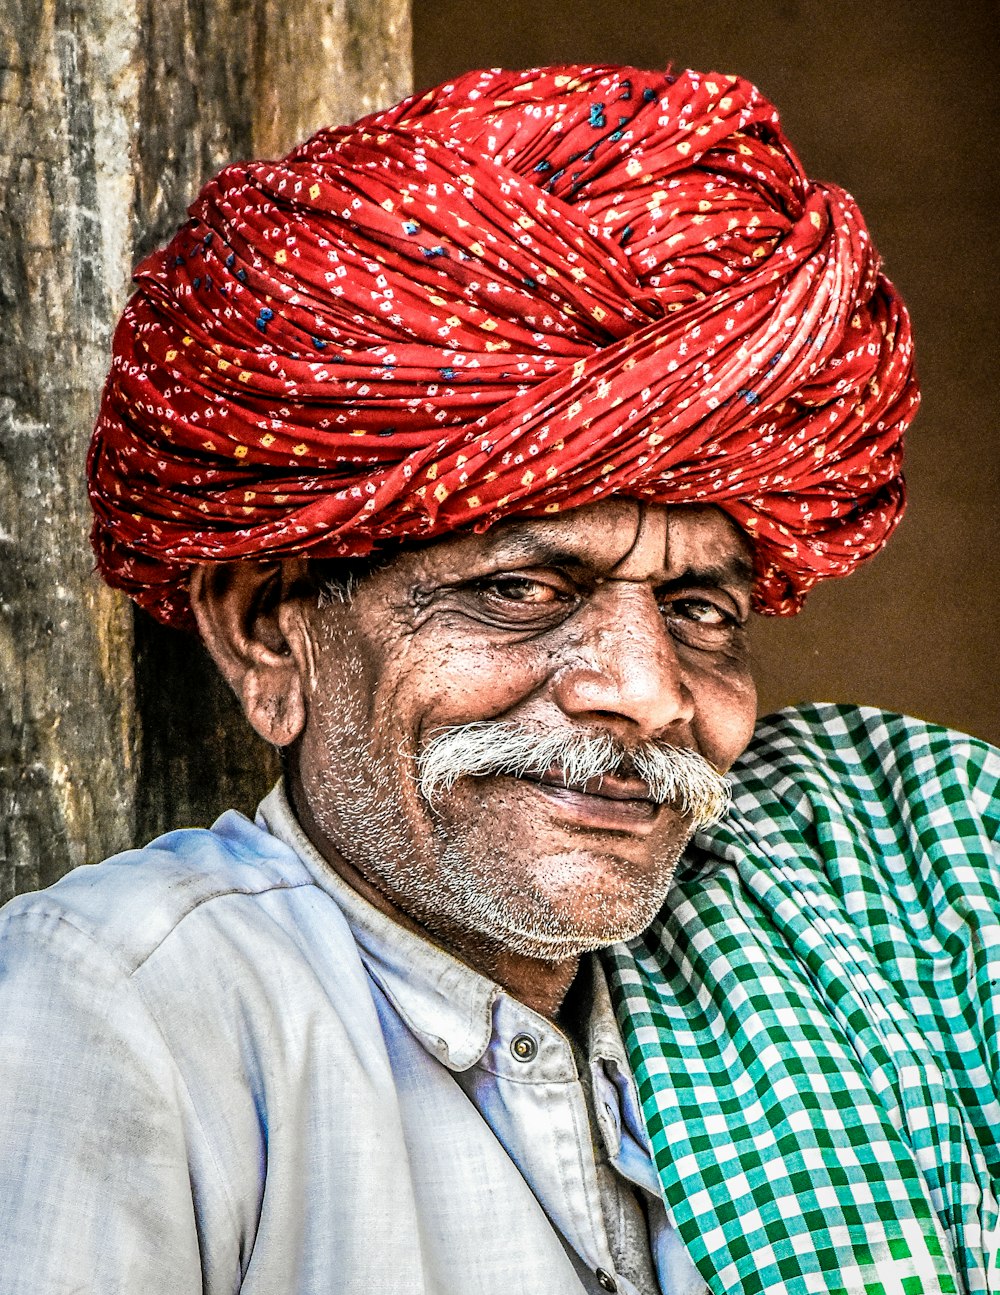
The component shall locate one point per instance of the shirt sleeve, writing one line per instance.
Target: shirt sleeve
(96, 1189)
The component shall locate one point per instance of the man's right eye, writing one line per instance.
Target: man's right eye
(520, 589)
(522, 599)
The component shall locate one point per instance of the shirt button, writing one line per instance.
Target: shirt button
(524, 1048)
(605, 1280)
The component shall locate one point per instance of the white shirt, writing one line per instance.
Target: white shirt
(222, 1070)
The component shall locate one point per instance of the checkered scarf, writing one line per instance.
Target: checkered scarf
(812, 1023)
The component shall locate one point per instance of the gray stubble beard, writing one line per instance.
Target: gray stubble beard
(454, 891)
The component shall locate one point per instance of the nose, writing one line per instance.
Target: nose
(624, 672)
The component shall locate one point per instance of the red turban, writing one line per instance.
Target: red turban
(515, 294)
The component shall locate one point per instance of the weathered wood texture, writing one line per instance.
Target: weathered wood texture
(112, 112)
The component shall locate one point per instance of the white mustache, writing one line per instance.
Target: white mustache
(671, 774)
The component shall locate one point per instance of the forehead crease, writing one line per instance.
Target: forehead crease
(588, 539)
(712, 536)
(691, 541)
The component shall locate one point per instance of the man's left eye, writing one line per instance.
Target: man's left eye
(701, 623)
(701, 611)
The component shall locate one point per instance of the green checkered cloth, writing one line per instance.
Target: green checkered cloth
(813, 1021)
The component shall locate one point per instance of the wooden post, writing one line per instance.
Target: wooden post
(113, 112)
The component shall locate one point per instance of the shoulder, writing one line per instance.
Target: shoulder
(139, 1036)
(865, 755)
(129, 904)
(865, 796)
(835, 734)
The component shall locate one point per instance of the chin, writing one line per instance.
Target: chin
(554, 942)
(603, 894)
(541, 887)
(566, 903)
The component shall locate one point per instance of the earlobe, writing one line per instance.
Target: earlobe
(249, 615)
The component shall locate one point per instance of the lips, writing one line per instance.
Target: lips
(610, 803)
(608, 786)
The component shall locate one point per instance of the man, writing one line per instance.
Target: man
(467, 437)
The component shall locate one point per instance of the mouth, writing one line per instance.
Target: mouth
(610, 803)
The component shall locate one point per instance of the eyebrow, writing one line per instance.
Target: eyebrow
(518, 545)
(736, 570)
(528, 547)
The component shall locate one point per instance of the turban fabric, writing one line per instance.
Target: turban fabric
(518, 293)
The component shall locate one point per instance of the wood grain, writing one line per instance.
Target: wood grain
(112, 113)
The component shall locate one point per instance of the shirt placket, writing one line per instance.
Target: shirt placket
(526, 1084)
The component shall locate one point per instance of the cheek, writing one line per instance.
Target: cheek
(459, 683)
(725, 714)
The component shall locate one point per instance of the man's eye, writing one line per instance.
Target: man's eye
(700, 611)
(525, 601)
(519, 589)
(701, 623)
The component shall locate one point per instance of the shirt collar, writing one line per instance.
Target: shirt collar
(447, 1005)
(604, 1041)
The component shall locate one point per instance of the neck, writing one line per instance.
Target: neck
(538, 984)
(542, 986)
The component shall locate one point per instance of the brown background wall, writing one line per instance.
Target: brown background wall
(893, 100)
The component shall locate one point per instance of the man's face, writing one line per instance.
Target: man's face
(615, 619)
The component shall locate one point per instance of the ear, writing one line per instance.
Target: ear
(251, 616)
